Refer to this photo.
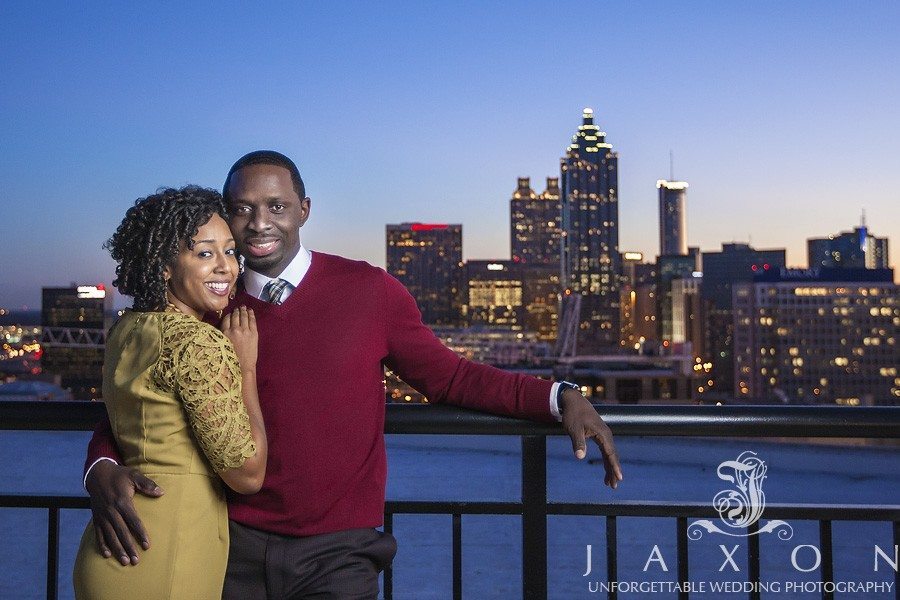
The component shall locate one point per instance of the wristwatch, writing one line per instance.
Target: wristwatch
(563, 386)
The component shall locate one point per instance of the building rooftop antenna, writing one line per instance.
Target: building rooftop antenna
(862, 222)
(671, 166)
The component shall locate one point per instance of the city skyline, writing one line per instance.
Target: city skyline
(409, 113)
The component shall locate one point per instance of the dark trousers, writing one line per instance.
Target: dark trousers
(332, 566)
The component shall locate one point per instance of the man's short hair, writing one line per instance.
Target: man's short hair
(266, 157)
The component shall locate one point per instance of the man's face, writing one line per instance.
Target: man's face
(266, 217)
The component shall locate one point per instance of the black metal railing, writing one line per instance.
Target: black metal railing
(681, 421)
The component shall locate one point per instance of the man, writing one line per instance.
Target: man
(328, 326)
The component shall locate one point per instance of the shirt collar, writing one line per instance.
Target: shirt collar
(255, 282)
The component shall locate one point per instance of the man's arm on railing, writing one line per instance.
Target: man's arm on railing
(112, 487)
(423, 362)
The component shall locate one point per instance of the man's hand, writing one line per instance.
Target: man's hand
(581, 421)
(116, 524)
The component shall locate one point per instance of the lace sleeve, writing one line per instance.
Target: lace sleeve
(203, 371)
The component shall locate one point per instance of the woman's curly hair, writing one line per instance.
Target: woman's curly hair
(150, 236)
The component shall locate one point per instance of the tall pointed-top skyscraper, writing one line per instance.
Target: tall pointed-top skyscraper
(590, 242)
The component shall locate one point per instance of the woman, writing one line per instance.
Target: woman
(181, 396)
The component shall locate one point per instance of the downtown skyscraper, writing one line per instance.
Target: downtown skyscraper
(427, 259)
(73, 320)
(672, 217)
(535, 223)
(735, 264)
(857, 249)
(590, 241)
(817, 336)
(535, 249)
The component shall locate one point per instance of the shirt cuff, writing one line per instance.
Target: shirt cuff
(93, 464)
(554, 405)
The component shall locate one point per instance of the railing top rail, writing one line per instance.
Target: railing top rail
(835, 512)
(645, 420)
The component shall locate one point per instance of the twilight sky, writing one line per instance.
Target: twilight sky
(782, 116)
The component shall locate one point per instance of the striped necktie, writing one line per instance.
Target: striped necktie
(274, 289)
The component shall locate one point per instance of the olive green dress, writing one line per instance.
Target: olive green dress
(172, 386)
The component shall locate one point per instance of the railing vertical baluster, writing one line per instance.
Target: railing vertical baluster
(611, 554)
(534, 516)
(52, 552)
(457, 556)
(896, 543)
(827, 569)
(683, 571)
(753, 558)
(389, 570)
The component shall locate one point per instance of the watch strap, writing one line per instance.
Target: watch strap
(563, 386)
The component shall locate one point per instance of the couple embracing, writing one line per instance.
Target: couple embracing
(282, 401)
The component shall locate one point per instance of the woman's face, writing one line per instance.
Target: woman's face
(202, 277)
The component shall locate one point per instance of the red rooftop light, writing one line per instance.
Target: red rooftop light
(428, 226)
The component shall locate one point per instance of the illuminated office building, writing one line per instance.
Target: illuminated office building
(493, 295)
(540, 297)
(73, 322)
(818, 336)
(534, 223)
(427, 259)
(535, 247)
(590, 242)
(672, 217)
(638, 303)
(511, 295)
(670, 268)
(735, 263)
(857, 249)
(687, 315)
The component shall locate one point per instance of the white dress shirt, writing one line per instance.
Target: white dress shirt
(254, 282)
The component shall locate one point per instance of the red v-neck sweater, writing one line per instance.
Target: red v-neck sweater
(321, 388)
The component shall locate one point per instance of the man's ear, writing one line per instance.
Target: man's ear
(305, 206)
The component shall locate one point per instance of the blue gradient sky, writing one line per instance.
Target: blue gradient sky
(783, 116)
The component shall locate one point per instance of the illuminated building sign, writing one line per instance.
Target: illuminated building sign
(428, 226)
(92, 291)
